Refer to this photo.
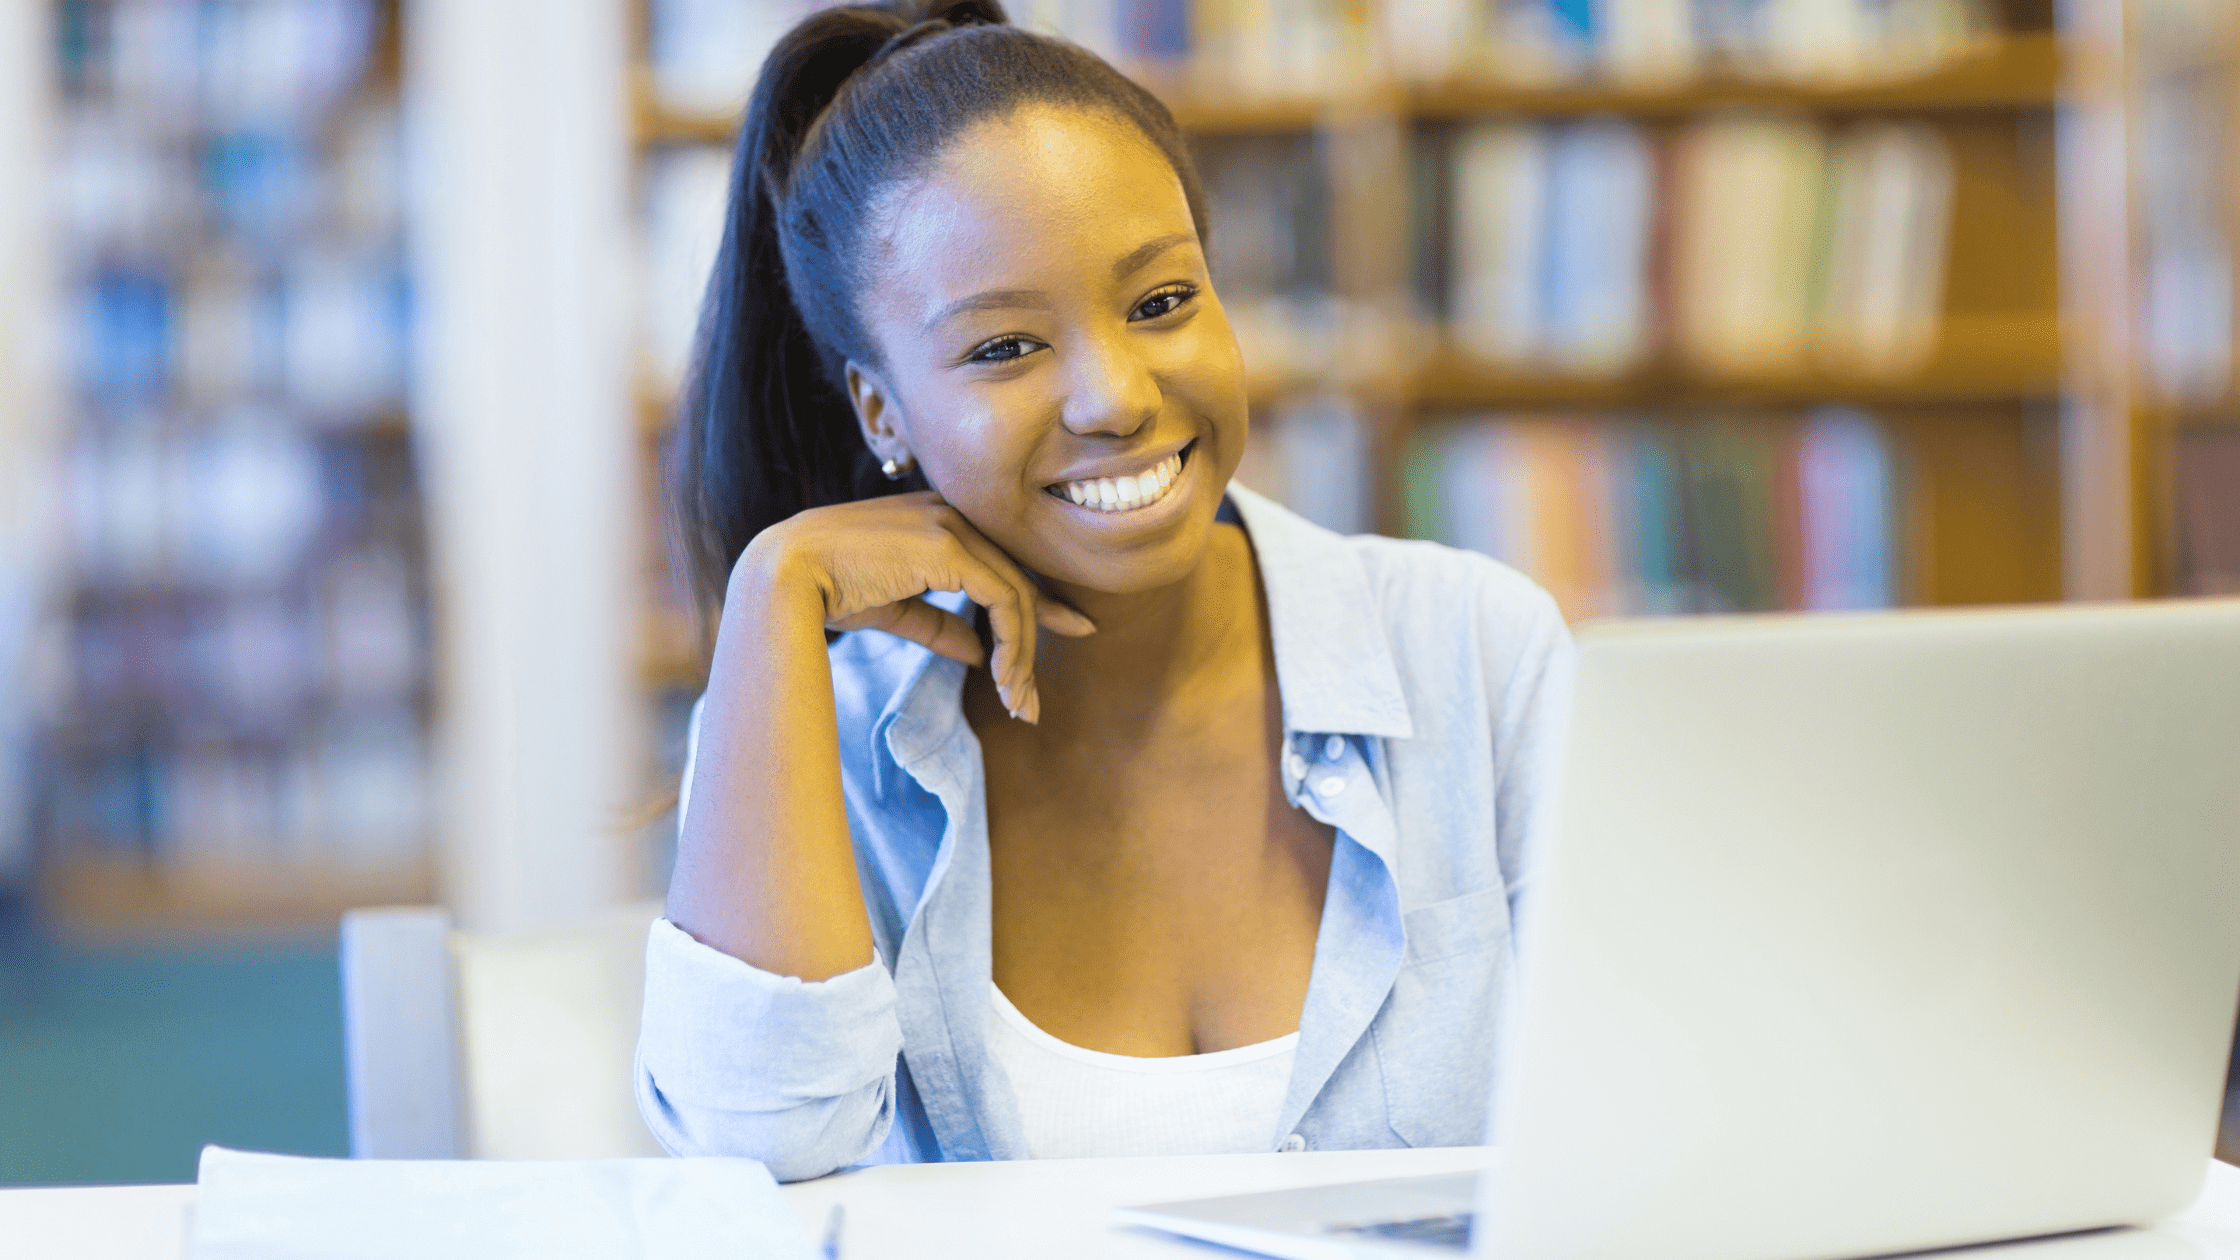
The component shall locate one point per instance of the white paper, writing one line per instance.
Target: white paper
(266, 1207)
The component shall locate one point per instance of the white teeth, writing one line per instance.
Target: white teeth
(1128, 491)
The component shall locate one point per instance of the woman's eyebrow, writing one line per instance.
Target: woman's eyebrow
(992, 300)
(1147, 251)
(1037, 300)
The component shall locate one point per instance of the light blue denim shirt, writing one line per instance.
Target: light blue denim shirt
(1423, 690)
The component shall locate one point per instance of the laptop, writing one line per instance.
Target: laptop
(1858, 935)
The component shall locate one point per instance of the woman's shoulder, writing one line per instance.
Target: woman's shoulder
(1425, 594)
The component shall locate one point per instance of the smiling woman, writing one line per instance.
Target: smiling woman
(1226, 860)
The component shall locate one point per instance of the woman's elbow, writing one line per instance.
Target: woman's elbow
(798, 1142)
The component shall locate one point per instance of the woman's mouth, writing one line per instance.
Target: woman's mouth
(1128, 492)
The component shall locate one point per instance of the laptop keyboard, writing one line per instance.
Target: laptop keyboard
(1451, 1230)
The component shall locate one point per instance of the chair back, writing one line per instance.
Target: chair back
(513, 1045)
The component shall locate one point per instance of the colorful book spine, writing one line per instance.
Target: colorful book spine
(1631, 517)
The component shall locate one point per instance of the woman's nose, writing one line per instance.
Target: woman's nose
(1110, 388)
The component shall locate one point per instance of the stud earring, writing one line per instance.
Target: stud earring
(896, 469)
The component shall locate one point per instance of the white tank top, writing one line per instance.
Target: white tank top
(1076, 1103)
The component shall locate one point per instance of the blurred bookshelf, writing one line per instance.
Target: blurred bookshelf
(1595, 220)
(235, 735)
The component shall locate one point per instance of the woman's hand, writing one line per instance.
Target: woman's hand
(869, 562)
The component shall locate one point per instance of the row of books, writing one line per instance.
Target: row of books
(124, 193)
(251, 665)
(239, 663)
(323, 337)
(352, 790)
(1668, 41)
(235, 504)
(1626, 517)
(215, 64)
(1747, 244)
(705, 53)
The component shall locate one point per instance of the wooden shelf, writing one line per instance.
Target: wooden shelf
(1455, 383)
(1980, 359)
(114, 898)
(654, 411)
(655, 124)
(669, 651)
(2017, 72)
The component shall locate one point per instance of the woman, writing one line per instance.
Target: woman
(1050, 796)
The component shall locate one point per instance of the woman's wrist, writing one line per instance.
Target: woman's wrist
(772, 577)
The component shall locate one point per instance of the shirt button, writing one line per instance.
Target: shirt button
(1331, 786)
(1334, 748)
(1294, 1144)
(1297, 765)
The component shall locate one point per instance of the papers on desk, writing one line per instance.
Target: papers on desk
(266, 1207)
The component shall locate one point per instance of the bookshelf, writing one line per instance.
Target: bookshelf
(237, 739)
(1973, 422)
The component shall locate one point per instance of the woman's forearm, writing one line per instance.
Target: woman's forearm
(765, 869)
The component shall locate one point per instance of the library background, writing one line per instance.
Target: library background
(339, 338)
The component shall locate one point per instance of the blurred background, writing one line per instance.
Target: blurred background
(338, 339)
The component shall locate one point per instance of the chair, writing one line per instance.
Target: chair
(497, 1046)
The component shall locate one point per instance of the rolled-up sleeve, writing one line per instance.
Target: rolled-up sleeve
(733, 1060)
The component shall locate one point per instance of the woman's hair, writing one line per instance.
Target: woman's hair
(851, 102)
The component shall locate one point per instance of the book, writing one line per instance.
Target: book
(1847, 513)
(1323, 445)
(1594, 297)
(1501, 177)
(2207, 469)
(1749, 197)
(1889, 214)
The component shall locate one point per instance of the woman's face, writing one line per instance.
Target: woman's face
(1051, 339)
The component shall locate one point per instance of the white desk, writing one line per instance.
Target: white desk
(1038, 1210)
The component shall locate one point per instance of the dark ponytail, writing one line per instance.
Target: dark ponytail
(851, 101)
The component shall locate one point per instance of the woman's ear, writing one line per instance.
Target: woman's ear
(876, 413)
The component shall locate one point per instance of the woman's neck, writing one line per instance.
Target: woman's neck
(1193, 641)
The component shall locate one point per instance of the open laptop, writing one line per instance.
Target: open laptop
(1858, 935)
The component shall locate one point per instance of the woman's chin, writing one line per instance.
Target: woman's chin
(1090, 563)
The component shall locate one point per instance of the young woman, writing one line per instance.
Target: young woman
(1052, 796)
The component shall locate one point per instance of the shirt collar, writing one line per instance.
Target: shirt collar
(1334, 662)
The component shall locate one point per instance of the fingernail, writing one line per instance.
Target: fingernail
(1034, 705)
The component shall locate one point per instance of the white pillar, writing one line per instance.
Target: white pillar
(520, 135)
(28, 411)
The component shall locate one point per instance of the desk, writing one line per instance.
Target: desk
(1038, 1210)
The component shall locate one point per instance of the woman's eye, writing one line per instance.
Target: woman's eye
(1003, 350)
(1165, 302)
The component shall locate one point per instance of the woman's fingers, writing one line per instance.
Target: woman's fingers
(1014, 626)
(1054, 616)
(1011, 626)
(933, 547)
(937, 629)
